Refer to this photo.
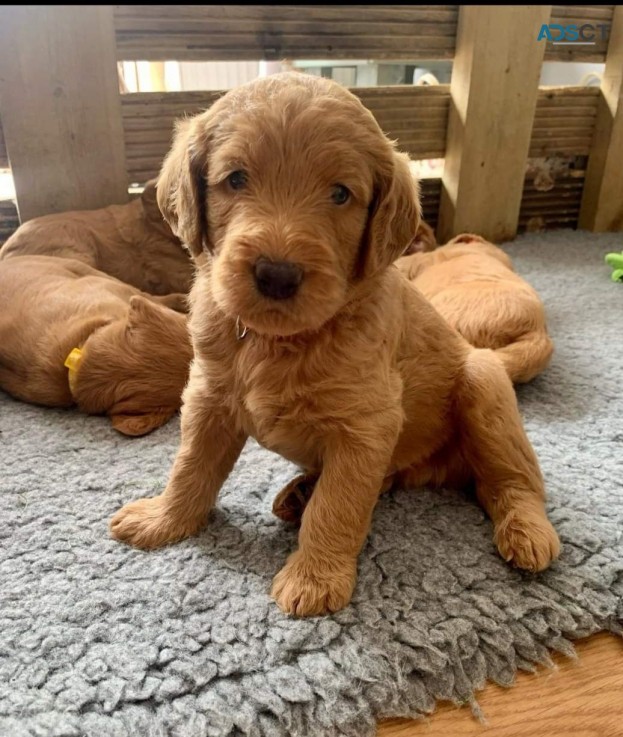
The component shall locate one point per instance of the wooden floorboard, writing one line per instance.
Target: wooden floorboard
(580, 698)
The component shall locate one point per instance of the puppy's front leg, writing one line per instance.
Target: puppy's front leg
(208, 451)
(320, 576)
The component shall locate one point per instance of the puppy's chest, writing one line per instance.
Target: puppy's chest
(284, 402)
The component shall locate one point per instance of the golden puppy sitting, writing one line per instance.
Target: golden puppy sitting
(472, 284)
(307, 338)
(72, 335)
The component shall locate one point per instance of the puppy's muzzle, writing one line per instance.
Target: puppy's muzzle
(277, 279)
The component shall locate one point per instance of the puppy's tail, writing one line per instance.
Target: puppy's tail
(527, 356)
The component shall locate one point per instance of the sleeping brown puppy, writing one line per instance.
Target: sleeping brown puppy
(130, 242)
(307, 338)
(472, 284)
(128, 352)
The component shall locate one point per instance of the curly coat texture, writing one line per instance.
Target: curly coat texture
(103, 640)
(471, 283)
(355, 377)
(131, 242)
(135, 349)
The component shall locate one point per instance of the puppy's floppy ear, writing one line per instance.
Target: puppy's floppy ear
(182, 188)
(394, 217)
(139, 310)
(467, 238)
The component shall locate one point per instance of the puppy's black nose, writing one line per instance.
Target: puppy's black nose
(277, 279)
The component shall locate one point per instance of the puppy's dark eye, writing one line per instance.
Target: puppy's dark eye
(237, 179)
(340, 194)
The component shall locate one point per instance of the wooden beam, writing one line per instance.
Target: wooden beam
(493, 93)
(602, 202)
(60, 107)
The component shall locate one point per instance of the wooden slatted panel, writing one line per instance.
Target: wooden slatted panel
(416, 116)
(564, 121)
(252, 32)
(579, 15)
(148, 119)
(9, 220)
(557, 208)
(430, 193)
(4, 157)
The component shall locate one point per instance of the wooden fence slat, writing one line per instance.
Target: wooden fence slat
(60, 109)
(4, 157)
(188, 32)
(494, 91)
(602, 202)
(251, 32)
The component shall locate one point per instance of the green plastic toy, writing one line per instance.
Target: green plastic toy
(615, 260)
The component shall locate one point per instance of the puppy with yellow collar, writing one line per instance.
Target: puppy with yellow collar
(70, 334)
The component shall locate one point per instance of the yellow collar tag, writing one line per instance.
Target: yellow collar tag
(72, 362)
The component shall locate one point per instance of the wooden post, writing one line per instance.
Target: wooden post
(493, 91)
(602, 201)
(60, 107)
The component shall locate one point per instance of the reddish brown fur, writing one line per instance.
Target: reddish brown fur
(356, 378)
(423, 241)
(136, 350)
(471, 283)
(130, 242)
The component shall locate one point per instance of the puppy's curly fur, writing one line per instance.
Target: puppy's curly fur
(135, 349)
(354, 377)
(471, 283)
(131, 242)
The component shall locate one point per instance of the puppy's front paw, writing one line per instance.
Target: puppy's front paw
(148, 524)
(527, 539)
(308, 586)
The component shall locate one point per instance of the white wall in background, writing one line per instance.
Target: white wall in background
(558, 73)
(216, 75)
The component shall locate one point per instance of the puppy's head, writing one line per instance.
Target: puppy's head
(135, 369)
(293, 191)
(477, 245)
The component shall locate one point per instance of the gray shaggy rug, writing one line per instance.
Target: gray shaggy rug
(102, 640)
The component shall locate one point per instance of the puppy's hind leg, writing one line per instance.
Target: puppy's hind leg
(291, 501)
(509, 483)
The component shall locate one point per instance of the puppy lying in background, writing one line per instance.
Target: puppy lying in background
(471, 283)
(72, 335)
(306, 336)
(131, 242)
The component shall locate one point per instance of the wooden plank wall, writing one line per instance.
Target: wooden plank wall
(250, 32)
(201, 32)
(416, 116)
(564, 120)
